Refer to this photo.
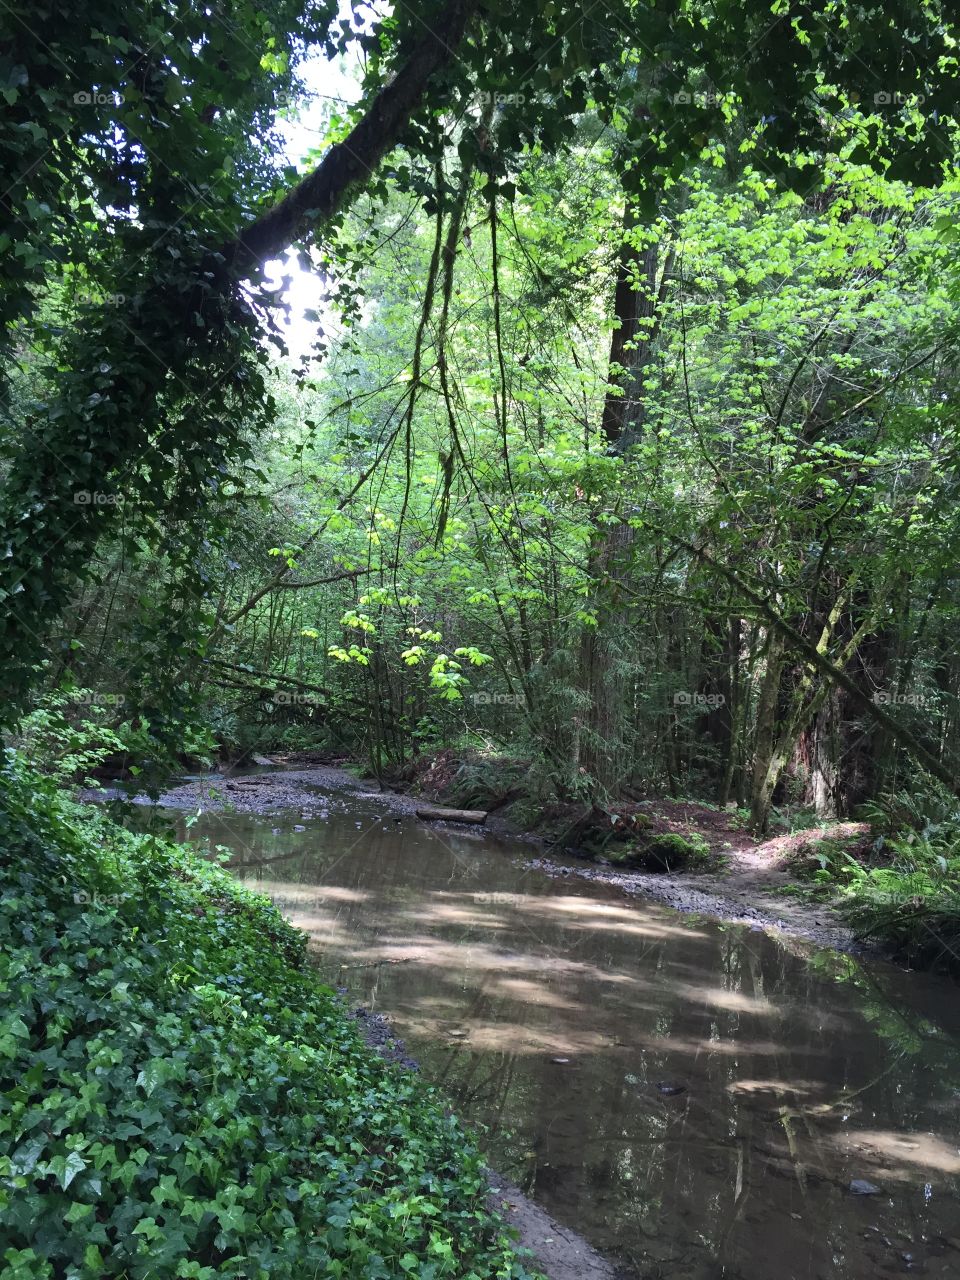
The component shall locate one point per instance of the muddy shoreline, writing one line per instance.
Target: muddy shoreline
(730, 900)
(745, 893)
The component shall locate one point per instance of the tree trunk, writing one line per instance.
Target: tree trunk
(432, 813)
(766, 761)
(603, 654)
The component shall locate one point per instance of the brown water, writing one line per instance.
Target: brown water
(550, 1010)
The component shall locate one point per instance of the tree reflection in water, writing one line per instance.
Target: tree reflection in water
(803, 1070)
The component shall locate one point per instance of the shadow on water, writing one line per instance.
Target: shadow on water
(696, 1098)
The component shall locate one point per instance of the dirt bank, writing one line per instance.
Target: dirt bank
(748, 885)
(557, 1251)
(738, 899)
(744, 879)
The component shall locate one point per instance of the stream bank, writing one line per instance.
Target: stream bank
(184, 1093)
(561, 1254)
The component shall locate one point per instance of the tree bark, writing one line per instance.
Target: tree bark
(431, 813)
(638, 300)
(820, 662)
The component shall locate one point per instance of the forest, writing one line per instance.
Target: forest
(607, 487)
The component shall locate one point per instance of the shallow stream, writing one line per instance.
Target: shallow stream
(697, 1099)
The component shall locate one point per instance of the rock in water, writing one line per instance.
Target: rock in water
(861, 1187)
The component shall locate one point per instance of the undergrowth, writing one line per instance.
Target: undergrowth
(183, 1097)
(903, 891)
(908, 898)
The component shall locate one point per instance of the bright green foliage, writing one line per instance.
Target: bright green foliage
(796, 425)
(666, 851)
(906, 894)
(793, 442)
(184, 1098)
(673, 852)
(70, 734)
(912, 908)
(635, 458)
(138, 159)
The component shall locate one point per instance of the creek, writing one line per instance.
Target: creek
(698, 1099)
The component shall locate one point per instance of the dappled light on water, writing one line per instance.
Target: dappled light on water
(698, 1099)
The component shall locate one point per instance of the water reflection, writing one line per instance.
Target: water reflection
(697, 1099)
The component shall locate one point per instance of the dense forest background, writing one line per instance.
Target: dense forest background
(627, 451)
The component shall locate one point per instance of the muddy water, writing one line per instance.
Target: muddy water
(696, 1099)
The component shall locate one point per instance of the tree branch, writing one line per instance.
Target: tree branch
(346, 164)
(811, 652)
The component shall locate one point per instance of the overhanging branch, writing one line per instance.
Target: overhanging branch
(346, 164)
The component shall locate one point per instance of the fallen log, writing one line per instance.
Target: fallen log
(431, 813)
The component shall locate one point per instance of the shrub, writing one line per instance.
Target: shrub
(183, 1097)
(910, 904)
(824, 861)
(912, 909)
(666, 852)
(673, 852)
